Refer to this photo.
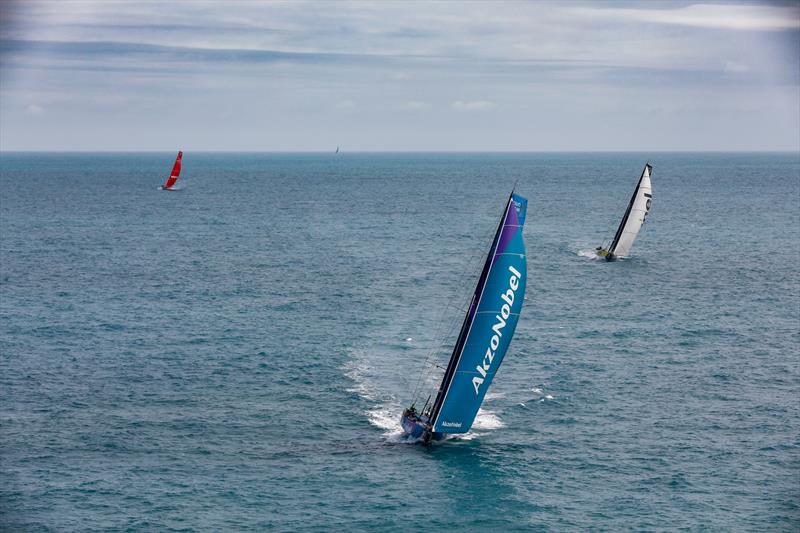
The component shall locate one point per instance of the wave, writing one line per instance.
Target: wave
(387, 419)
(487, 420)
(385, 408)
(174, 188)
(590, 254)
(539, 394)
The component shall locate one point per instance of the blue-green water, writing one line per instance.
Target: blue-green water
(235, 356)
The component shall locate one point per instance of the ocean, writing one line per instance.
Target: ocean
(235, 356)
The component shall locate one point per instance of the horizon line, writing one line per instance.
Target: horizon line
(341, 152)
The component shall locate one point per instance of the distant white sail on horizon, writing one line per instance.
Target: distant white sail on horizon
(635, 216)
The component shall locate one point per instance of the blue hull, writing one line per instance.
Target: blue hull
(417, 427)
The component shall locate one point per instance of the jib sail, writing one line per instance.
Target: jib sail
(635, 215)
(176, 171)
(488, 326)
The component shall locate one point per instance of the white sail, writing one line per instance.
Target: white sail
(634, 216)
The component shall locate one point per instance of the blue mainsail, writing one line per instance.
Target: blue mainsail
(488, 327)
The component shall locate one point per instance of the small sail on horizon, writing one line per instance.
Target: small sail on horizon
(484, 337)
(174, 175)
(634, 218)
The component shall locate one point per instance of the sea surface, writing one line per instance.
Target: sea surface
(235, 356)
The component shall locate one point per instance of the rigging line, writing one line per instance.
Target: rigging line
(477, 260)
(436, 344)
(446, 327)
(467, 281)
(441, 346)
(466, 327)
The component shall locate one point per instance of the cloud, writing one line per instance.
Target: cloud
(551, 39)
(733, 66)
(380, 65)
(732, 17)
(417, 106)
(475, 105)
(97, 50)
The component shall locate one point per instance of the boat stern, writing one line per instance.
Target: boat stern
(414, 425)
(605, 254)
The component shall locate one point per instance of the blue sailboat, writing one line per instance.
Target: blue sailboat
(484, 337)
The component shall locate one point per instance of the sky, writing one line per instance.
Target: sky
(399, 76)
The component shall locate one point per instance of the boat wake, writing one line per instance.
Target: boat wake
(590, 254)
(384, 411)
(386, 419)
(485, 421)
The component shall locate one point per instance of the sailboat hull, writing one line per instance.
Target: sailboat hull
(416, 427)
(605, 254)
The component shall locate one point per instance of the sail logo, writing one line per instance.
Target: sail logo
(494, 342)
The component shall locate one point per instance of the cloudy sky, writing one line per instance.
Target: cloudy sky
(399, 76)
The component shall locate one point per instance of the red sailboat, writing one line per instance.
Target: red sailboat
(173, 176)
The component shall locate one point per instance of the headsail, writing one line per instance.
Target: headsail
(635, 215)
(176, 171)
(488, 327)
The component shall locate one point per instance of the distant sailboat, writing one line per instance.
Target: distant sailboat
(173, 176)
(633, 220)
(337, 150)
(484, 337)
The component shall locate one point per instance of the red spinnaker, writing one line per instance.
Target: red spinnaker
(176, 171)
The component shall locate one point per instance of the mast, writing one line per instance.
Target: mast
(627, 211)
(465, 326)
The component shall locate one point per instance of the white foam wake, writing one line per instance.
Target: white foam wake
(385, 411)
(385, 408)
(485, 421)
(387, 418)
(591, 254)
(540, 395)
